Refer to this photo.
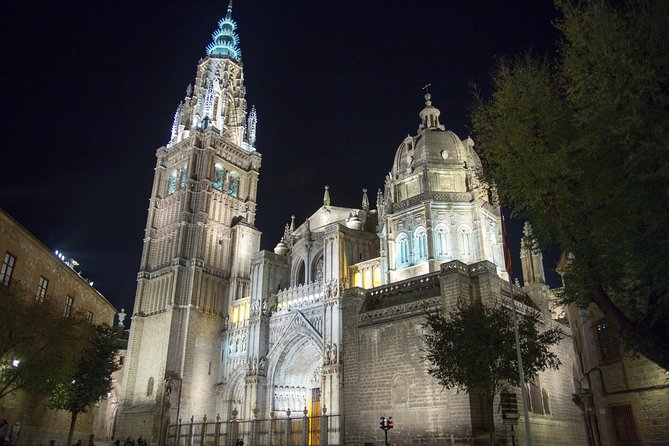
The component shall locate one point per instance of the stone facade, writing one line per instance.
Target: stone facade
(199, 239)
(331, 321)
(34, 264)
(624, 397)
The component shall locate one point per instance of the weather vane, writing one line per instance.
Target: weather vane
(426, 88)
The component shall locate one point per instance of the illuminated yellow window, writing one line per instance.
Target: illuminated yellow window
(368, 278)
(377, 276)
(247, 312)
(235, 314)
(357, 279)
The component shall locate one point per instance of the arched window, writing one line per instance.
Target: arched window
(402, 251)
(420, 241)
(183, 176)
(377, 276)
(219, 175)
(317, 273)
(357, 279)
(465, 242)
(149, 387)
(233, 188)
(441, 241)
(300, 276)
(368, 279)
(172, 184)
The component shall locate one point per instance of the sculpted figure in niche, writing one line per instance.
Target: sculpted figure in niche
(326, 359)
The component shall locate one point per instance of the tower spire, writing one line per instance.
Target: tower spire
(225, 41)
(326, 196)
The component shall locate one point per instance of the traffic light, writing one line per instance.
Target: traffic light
(383, 424)
(390, 423)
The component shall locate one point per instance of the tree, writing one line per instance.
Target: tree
(38, 345)
(579, 144)
(473, 349)
(91, 379)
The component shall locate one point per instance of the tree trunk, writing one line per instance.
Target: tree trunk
(73, 422)
(490, 411)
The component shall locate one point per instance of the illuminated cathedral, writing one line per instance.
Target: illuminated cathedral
(329, 323)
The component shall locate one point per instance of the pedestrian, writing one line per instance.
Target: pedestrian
(117, 442)
(78, 442)
(140, 441)
(4, 428)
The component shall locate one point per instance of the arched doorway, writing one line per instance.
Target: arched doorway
(296, 377)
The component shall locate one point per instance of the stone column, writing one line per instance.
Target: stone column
(305, 428)
(324, 427)
(287, 429)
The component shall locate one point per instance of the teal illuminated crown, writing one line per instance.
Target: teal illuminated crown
(225, 41)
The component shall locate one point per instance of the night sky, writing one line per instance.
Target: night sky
(90, 90)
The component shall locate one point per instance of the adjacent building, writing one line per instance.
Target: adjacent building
(33, 267)
(624, 397)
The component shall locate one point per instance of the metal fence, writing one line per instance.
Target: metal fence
(285, 431)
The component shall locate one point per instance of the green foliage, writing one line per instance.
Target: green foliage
(92, 378)
(580, 146)
(473, 348)
(46, 345)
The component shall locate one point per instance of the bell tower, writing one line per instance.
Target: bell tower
(197, 246)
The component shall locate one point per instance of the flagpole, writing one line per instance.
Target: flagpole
(521, 374)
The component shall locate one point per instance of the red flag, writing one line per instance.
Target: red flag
(507, 252)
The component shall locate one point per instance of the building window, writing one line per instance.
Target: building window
(402, 251)
(421, 245)
(219, 175)
(42, 285)
(68, 306)
(367, 280)
(465, 248)
(536, 404)
(377, 276)
(121, 360)
(623, 424)
(233, 188)
(183, 176)
(442, 242)
(149, 387)
(89, 316)
(544, 397)
(172, 183)
(300, 277)
(357, 279)
(608, 342)
(7, 268)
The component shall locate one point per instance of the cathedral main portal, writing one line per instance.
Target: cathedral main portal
(296, 378)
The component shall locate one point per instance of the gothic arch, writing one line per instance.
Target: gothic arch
(234, 392)
(317, 266)
(294, 363)
(300, 273)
